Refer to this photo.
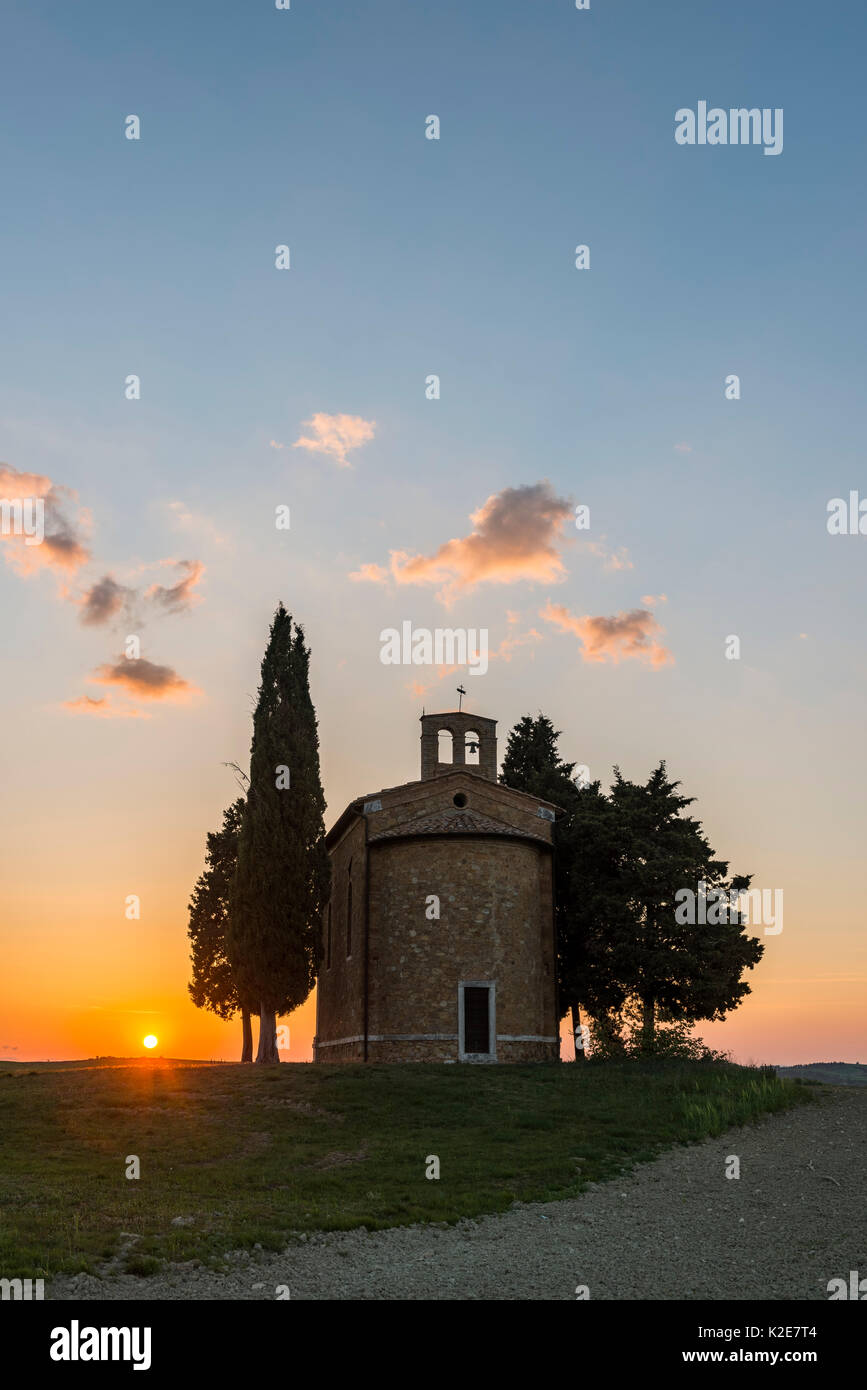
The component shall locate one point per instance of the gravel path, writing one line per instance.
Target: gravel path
(672, 1229)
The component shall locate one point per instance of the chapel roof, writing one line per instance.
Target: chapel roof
(455, 822)
(356, 808)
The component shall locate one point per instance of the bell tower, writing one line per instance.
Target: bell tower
(473, 742)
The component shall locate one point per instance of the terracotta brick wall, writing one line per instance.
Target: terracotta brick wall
(340, 998)
(495, 924)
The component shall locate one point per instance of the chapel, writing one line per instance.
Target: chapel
(439, 937)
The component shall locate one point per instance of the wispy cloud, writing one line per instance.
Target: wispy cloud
(145, 679)
(611, 559)
(622, 637)
(103, 601)
(185, 520)
(102, 708)
(516, 536)
(438, 673)
(511, 644)
(181, 595)
(370, 574)
(335, 435)
(63, 547)
(108, 599)
(100, 601)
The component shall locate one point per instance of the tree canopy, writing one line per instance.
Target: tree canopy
(624, 956)
(213, 985)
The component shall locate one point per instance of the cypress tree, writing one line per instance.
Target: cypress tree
(283, 878)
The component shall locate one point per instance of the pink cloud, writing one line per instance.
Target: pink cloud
(62, 548)
(102, 708)
(145, 679)
(517, 535)
(104, 600)
(612, 560)
(370, 574)
(335, 435)
(181, 595)
(510, 644)
(107, 598)
(623, 637)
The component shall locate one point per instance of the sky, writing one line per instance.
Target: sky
(308, 388)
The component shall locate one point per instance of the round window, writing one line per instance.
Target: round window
(459, 799)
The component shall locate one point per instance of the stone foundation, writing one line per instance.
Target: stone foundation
(434, 1050)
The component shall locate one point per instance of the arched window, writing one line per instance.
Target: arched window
(471, 748)
(349, 911)
(444, 746)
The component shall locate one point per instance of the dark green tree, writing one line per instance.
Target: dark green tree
(585, 868)
(620, 860)
(532, 761)
(283, 878)
(595, 909)
(673, 971)
(213, 984)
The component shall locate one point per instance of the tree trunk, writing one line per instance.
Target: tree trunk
(267, 1036)
(247, 1027)
(578, 1034)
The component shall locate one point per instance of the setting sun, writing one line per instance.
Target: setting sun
(150, 1040)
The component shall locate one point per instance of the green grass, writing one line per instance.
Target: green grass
(255, 1154)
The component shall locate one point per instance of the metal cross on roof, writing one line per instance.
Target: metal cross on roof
(461, 694)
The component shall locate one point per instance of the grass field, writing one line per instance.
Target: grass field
(250, 1155)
